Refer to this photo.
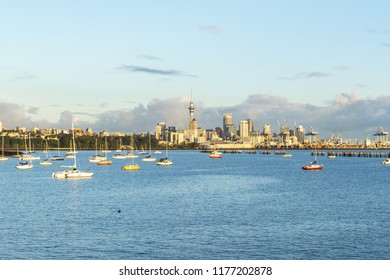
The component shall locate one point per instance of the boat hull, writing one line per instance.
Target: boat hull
(72, 174)
(312, 167)
(215, 156)
(24, 167)
(104, 162)
(165, 162)
(148, 159)
(131, 167)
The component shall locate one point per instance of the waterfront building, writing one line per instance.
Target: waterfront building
(284, 133)
(229, 129)
(213, 135)
(266, 132)
(177, 137)
(251, 126)
(300, 134)
(219, 132)
(244, 131)
(160, 131)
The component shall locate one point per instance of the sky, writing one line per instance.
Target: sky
(126, 65)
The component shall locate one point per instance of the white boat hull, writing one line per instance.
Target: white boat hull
(24, 166)
(149, 159)
(72, 174)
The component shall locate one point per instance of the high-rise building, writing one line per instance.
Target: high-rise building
(251, 126)
(160, 131)
(244, 129)
(1, 127)
(267, 130)
(300, 133)
(228, 125)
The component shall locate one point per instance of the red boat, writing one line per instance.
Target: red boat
(215, 154)
(313, 166)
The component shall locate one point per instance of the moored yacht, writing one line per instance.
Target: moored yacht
(72, 173)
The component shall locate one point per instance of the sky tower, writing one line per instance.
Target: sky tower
(191, 109)
(193, 124)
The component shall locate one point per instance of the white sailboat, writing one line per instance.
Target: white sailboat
(47, 161)
(131, 166)
(25, 162)
(2, 157)
(29, 155)
(57, 157)
(72, 173)
(149, 157)
(313, 165)
(165, 161)
(105, 161)
(131, 154)
(215, 153)
(25, 165)
(120, 154)
(96, 157)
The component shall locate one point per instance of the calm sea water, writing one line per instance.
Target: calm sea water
(242, 206)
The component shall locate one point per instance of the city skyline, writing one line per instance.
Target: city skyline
(127, 65)
(281, 126)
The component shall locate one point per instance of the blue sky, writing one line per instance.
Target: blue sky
(126, 65)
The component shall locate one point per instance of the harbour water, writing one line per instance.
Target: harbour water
(243, 206)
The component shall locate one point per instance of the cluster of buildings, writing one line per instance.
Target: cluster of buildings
(21, 132)
(244, 136)
(230, 135)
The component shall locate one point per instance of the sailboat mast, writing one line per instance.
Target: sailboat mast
(150, 145)
(74, 146)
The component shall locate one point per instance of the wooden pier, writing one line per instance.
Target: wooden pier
(364, 154)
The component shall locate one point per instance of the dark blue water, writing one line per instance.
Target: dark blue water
(242, 206)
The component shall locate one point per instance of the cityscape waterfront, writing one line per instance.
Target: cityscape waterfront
(228, 137)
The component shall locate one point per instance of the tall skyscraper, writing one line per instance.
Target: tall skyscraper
(300, 133)
(160, 131)
(251, 126)
(244, 129)
(227, 125)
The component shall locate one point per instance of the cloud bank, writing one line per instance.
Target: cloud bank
(354, 116)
